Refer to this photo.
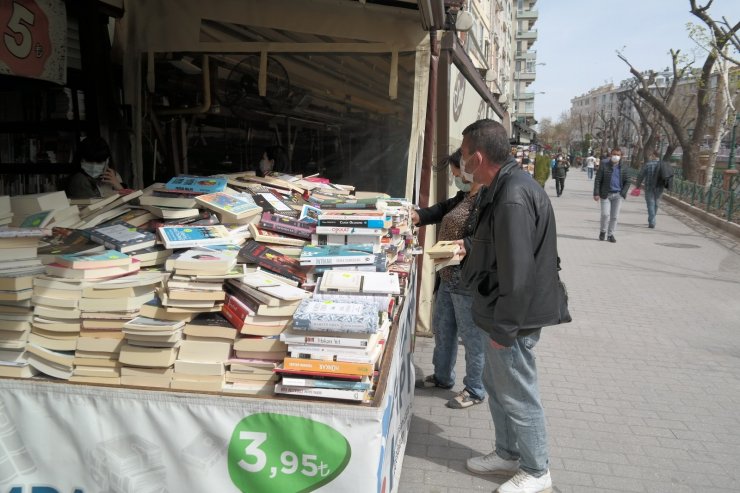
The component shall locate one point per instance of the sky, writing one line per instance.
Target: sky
(577, 41)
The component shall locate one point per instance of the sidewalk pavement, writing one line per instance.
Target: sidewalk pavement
(642, 390)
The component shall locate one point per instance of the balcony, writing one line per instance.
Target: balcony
(525, 76)
(525, 96)
(530, 35)
(526, 55)
(531, 15)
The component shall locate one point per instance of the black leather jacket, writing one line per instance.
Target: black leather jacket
(512, 266)
(602, 182)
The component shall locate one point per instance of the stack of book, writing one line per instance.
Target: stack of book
(66, 241)
(52, 208)
(444, 253)
(200, 365)
(122, 236)
(149, 351)
(266, 258)
(283, 234)
(106, 209)
(18, 266)
(260, 306)
(231, 208)
(352, 227)
(334, 353)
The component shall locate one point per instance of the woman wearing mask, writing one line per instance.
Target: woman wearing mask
(273, 160)
(452, 312)
(95, 179)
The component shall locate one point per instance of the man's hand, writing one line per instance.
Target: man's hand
(462, 252)
(109, 176)
(415, 217)
(596, 198)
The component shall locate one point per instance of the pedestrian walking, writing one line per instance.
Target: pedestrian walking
(610, 187)
(452, 314)
(559, 173)
(590, 165)
(512, 273)
(653, 187)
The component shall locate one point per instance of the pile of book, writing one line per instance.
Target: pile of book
(253, 285)
(18, 265)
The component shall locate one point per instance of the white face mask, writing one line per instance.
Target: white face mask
(465, 174)
(265, 166)
(461, 185)
(615, 159)
(93, 169)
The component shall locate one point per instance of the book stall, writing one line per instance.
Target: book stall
(221, 333)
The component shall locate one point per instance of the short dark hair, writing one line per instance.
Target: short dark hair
(93, 150)
(490, 138)
(451, 160)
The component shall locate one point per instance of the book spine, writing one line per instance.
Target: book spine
(334, 260)
(350, 395)
(341, 367)
(324, 356)
(349, 230)
(325, 384)
(350, 342)
(240, 309)
(280, 227)
(357, 223)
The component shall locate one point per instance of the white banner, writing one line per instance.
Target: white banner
(33, 40)
(63, 438)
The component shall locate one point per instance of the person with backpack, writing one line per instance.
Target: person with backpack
(654, 178)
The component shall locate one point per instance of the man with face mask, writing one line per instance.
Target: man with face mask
(451, 316)
(95, 178)
(610, 187)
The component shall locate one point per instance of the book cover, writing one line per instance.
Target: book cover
(338, 218)
(267, 236)
(204, 260)
(233, 206)
(337, 254)
(443, 249)
(287, 225)
(37, 219)
(122, 236)
(271, 203)
(310, 214)
(336, 316)
(329, 367)
(255, 253)
(327, 383)
(338, 280)
(190, 236)
(108, 258)
(199, 184)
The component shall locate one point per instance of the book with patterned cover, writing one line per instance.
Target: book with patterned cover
(254, 252)
(336, 316)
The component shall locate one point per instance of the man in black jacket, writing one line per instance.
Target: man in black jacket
(512, 272)
(611, 186)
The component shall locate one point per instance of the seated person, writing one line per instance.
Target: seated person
(96, 178)
(273, 160)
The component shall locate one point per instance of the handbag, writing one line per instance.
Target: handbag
(563, 312)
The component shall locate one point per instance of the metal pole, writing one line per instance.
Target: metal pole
(731, 160)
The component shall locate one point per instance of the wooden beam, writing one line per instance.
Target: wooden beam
(258, 47)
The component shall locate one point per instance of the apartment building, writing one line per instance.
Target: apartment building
(524, 69)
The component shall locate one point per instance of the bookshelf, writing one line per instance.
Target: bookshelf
(40, 125)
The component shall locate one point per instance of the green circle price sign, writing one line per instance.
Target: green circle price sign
(275, 452)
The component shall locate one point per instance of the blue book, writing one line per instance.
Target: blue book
(199, 184)
(191, 236)
(337, 254)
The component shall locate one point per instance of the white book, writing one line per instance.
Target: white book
(339, 394)
(337, 355)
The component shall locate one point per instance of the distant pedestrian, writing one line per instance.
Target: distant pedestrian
(559, 173)
(590, 165)
(653, 189)
(610, 187)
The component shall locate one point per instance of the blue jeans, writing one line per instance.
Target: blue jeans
(652, 199)
(453, 315)
(610, 212)
(514, 400)
(590, 173)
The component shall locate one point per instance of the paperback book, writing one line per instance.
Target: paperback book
(337, 254)
(191, 236)
(336, 316)
(232, 208)
(255, 253)
(198, 184)
(287, 225)
(122, 236)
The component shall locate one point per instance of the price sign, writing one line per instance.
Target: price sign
(274, 452)
(33, 39)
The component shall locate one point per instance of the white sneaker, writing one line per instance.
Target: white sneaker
(526, 483)
(492, 464)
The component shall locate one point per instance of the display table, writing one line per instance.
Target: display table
(58, 437)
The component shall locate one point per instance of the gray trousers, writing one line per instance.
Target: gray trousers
(610, 212)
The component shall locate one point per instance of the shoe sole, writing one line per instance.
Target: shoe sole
(546, 490)
(498, 472)
(453, 404)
